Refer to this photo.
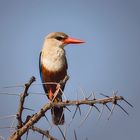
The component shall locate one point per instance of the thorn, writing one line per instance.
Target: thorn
(96, 108)
(14, 86)
(42, 136)
(75, 136)
(89, 111)
(75, 112)
(65, 130)
(7, 127)
(6, 93)
(37, 93)
(79, 110)
(115, 93)
(12, 124)
(7, 117)
(127, 102)
(111, 111)
(89, 96)
(27, 134)
(73, 115)
(82, 92)
(101, 112)
(61, 133)
(77, 95)
(67, 108)
(93, 94)
(108, 107)
(104, 95)
(123, 109)
(47, 120)
(28, 109)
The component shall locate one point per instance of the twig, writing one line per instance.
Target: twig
(21, 103)
(59, 87)
(43, 132)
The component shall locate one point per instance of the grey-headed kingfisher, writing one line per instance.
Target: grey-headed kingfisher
(53, 68)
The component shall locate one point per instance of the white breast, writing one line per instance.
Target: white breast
(53, 59)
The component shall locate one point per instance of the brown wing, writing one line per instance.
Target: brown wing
(49, 76)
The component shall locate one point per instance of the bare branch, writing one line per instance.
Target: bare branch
(48, 106)
(22, 100)
(23, 127)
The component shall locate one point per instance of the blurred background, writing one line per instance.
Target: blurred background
(109, 60)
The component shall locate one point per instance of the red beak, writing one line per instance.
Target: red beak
(73, 41)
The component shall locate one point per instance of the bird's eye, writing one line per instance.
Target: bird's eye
(59, 38)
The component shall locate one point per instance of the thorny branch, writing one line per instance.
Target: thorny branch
(22, 100)
(23, 127)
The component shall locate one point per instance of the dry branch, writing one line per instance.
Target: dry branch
(23, 127)
(22, 100)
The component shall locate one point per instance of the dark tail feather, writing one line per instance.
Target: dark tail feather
(58, 115)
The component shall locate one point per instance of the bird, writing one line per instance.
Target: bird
(53, 68)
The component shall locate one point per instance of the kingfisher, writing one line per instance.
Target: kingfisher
(53, 68)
